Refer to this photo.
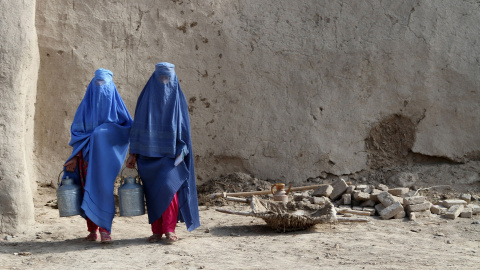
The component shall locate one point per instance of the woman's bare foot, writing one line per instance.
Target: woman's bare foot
(171, 237)
(92, 236)
(154, 238)
(105, 238)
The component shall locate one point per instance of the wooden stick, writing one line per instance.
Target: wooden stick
(350, 219)
(234, 212)
(261, 192)
(235, 199)
(355, 212)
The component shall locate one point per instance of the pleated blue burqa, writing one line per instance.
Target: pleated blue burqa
(160, 133)
(100, 129)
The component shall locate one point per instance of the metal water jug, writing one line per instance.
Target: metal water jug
(131, 197)
(69, 198)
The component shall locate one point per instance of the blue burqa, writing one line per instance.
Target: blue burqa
(160, 133)
(101, 130)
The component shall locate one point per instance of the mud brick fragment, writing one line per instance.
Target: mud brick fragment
(369, 209)
(398, 191)
(361, 187)
(339, 188)
(357, 208)
(466, 197)
(318, 200)
(391, 210)
(382, 187)
(365, 188)
(450, 203)
(398, 199)
(418, 207)
(454, 211)
(422, 214)
(350, 189)
(400, 215)
(413, 200)
(323, 191)
(438, 209)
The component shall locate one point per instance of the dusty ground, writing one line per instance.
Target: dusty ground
(236, 242)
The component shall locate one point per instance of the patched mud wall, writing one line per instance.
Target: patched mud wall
(278, 90)
(18, 76)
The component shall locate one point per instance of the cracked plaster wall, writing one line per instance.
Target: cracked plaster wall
(279, 89)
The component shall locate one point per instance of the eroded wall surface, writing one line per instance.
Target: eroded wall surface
(18, 77)
(278, 89)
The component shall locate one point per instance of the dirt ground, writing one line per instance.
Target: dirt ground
(238, 242)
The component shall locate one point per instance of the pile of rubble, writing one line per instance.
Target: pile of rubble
(397, 203)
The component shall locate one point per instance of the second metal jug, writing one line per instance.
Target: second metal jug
(69, 198)
(131, 198)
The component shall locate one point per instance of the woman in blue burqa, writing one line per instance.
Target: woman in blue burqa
(99, 137)
(160, 144)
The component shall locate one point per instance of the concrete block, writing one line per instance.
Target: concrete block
(398, 191)
(413, 200)
(438, 209)
(369, 203)
(339, 188)
(386, 198)
(418, 207)
(379, 207)
(475, 208)
(450, 203)
(466, 213)
(318, 200)
(374, 194)
(454, 211)
(347, 199)
(361, 196)
(323, 191)
(391, 210)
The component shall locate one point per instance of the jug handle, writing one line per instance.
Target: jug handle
(289, 188)
(58, 178)
(122, 179)
(271, 189)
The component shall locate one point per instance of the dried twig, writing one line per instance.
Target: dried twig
(416, 192)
